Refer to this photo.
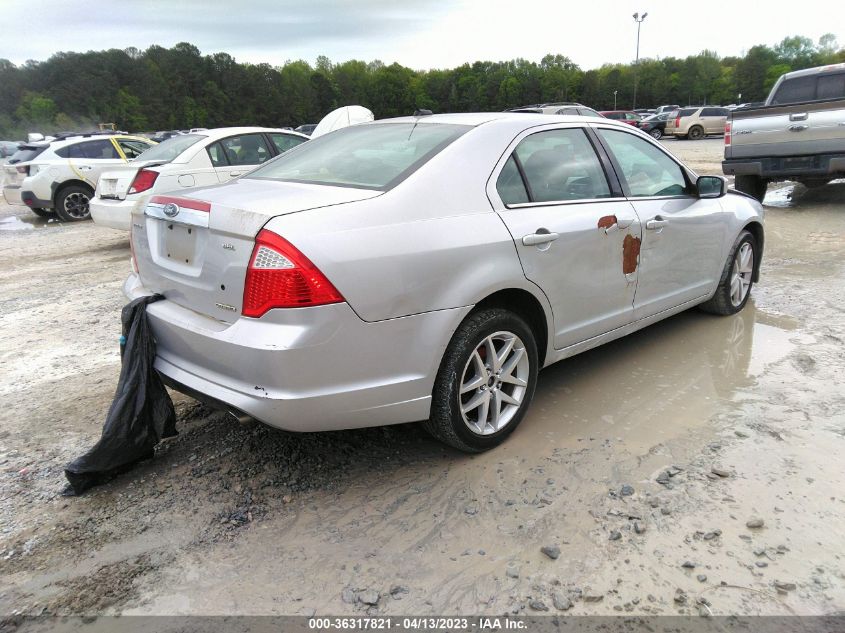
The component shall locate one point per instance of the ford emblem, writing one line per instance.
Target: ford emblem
(171, 210)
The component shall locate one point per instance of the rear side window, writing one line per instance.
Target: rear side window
(170, 149)
(217, 155)
(510, 186)
(568, 111)
(589, 112)
(371, 156)
(646, 170)
(284, 142)
(796, 90)
(247, 149)
(831, 86)
(686, 112)
(714, 112)
(132, 149)
(615, 115)
(561, 165)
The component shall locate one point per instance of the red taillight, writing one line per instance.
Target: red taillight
(184, 203)
(279, 276)
(727, 132)
(678, 122)
(144, 180)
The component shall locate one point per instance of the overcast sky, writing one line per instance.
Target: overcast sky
(421, 34)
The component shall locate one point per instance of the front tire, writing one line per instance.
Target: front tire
(72, 203)
(656, 134)
(737, 278)
(754, 186)
(485, 382)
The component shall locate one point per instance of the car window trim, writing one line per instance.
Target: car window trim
(688, 175)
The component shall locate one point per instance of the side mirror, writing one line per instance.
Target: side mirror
(711, 186)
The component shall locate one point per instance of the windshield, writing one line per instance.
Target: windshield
(168, 150)
(375, 156)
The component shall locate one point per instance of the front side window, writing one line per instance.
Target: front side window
(284, 142)
(371, 156)
(246, 149)
(561, 165)
(831, 86)
(132, 149)
(646, 169)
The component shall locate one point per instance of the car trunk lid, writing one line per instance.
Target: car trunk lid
(114, 184)
(195, 249)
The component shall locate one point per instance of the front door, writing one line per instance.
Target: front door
(572, 231)
(680, 257)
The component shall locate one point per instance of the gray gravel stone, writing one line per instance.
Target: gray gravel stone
(368, 596)
(754, 523)
(538, 605)
(552, 551)
(561, 602)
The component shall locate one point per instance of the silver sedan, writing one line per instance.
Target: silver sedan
(427, 268)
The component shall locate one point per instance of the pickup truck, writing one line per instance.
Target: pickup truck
(797, 134)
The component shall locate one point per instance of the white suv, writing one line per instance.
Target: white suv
(199, 159)
(61, 177)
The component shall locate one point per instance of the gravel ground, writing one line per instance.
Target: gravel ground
(694, 467)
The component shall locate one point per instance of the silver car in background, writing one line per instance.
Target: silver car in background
(426, 268)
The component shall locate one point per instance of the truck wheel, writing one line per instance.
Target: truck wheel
(754, 186)
(696, 132)
(72, 203)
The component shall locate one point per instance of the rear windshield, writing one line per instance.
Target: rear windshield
(810, 88)
(376, 156)
(168, 150)
(26, 153)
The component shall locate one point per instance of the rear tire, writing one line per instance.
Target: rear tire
(754, 186)
(656, 134)
(501, 390)
(72, 203)
(737, 278)
(696, 133)
(43, 213)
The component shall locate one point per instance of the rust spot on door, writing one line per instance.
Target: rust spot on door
(630, 254)
(607, 221)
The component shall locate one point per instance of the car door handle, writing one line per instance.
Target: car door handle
(797, 128)
(798, 116)
(656, 223)
(617, 226)
(234, 174)
(85, 167)
(536, 239)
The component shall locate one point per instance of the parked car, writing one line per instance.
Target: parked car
(426, 268)
(798, 134)
(306, 129)
(188, 160)
(60, 176)
(626, 116)
(696, 123)
(655, 125)
(667, 108)
(564, 108)
(645, 112)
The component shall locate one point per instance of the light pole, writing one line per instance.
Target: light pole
(639, 20)
(614, 99)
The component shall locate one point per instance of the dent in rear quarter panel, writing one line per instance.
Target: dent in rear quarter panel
(387, 269)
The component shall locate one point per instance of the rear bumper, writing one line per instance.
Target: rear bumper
(786, 166)
(115, 214)
(12, 195)
(304, 369)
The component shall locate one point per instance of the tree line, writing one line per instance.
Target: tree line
(178, 88)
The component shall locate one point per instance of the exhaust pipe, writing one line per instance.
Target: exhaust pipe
(241, 417)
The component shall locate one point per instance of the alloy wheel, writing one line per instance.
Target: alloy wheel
(76, 205)
(494, 383)
(741, 274)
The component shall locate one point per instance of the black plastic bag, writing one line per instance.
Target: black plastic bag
(141, 414)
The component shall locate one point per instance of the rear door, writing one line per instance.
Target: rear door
(571, 227)
(88, 159)
(680, 257)
(713, 120)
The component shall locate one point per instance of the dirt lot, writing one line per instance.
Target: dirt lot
(643, 461)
